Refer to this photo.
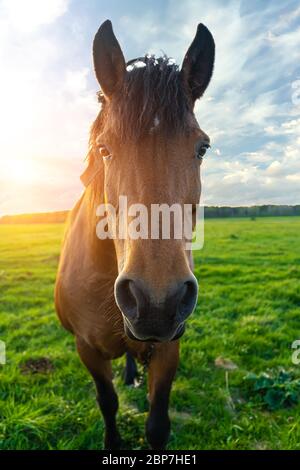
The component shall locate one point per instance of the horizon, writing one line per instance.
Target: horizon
(17, 214)
(251, 110)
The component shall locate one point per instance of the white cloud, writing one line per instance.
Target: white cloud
(48, 104)
(28, 15)
(274, 169)
(252, 53)
(295, 177)
(76, 81)
(284, 20)
(246, 181)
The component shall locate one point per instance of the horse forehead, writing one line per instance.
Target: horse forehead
(192, 123)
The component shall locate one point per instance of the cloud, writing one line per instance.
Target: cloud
(248, 110)
(27, 16)
(47, 93)
(270, 175)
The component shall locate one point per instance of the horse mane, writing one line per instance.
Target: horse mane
(152, 96)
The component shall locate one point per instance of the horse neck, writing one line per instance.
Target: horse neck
(82, 232)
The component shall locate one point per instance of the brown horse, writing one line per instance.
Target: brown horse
(120, 295)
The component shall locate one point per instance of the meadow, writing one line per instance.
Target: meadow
(236, 387)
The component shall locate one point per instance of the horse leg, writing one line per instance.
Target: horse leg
(101, 371)
(162, 370)
(131, 371)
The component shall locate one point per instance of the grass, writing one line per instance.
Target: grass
(248, 313)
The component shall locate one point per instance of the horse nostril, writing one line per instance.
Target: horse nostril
(188, 298)
(126, 298)
(146, 316)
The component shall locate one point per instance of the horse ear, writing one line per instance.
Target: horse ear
(109, 62)
(198, 63)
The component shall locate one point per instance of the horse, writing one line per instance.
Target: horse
(122, 296)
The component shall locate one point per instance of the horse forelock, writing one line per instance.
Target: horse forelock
(151, 97)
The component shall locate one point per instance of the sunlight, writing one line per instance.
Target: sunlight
(19, 170)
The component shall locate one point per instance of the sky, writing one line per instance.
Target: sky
(251, 110)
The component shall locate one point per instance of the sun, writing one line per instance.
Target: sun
(20, 170)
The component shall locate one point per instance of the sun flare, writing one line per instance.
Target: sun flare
(20, 170)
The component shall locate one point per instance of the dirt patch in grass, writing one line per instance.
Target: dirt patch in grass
(37, 366)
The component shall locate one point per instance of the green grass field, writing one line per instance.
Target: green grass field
(248, 312)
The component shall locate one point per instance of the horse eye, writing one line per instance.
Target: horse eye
(104, 152)
(201, 148)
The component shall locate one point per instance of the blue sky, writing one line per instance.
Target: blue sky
(47, 93)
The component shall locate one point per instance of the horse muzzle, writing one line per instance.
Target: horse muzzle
(147, 318)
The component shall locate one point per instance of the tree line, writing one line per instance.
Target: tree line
(211, 212)
(267, 210)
